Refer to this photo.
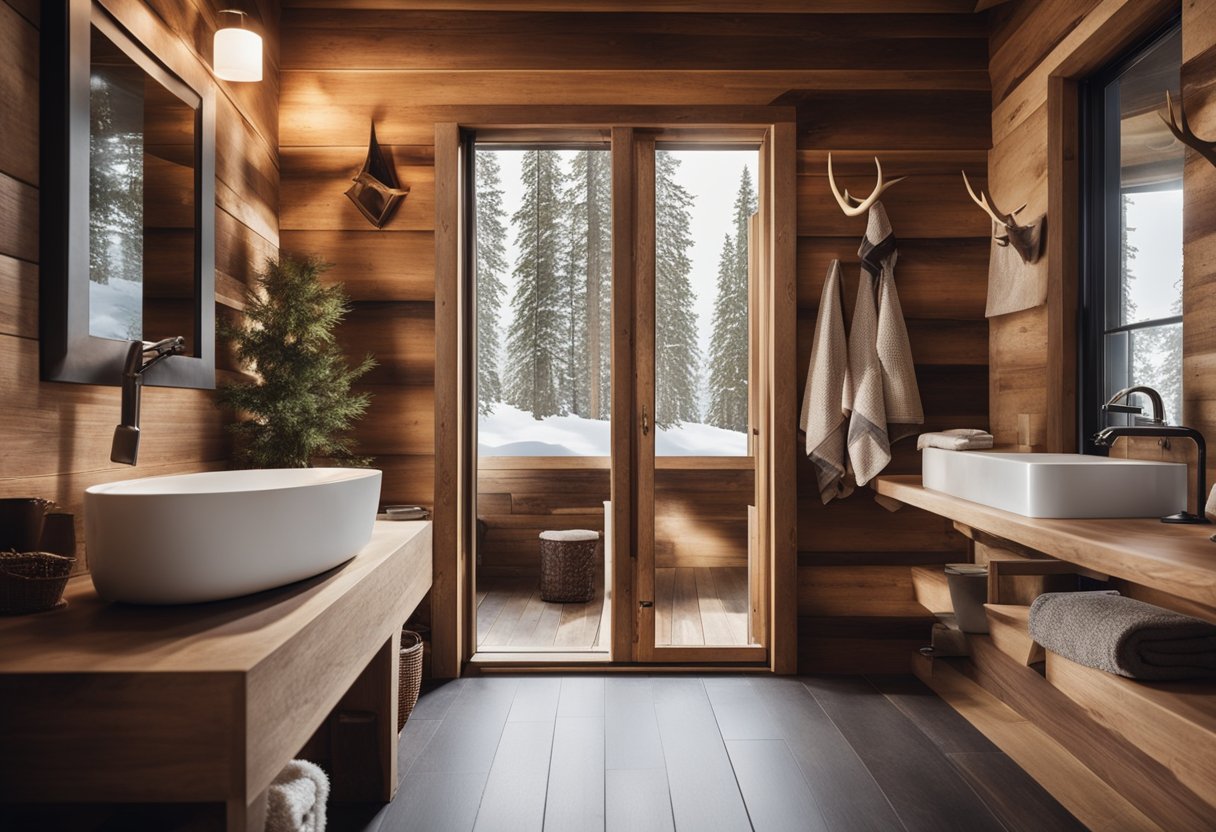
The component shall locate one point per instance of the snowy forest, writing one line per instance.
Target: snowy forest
(552, 359)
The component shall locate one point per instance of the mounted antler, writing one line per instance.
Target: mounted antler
(1025, 239)
(851, 205)
(1183, 133)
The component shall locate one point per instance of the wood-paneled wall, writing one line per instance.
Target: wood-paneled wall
(55, 437)
(1031, 41)
(912, 88)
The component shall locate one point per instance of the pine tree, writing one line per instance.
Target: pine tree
(301, 406)
(677, 357)
(537, 347)
(589, 203)
(728, 351)
(491, 266)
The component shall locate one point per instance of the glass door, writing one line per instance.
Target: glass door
(698, 554)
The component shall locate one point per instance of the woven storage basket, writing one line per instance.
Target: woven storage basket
(567, 566)
(32, 581)
(410, 682)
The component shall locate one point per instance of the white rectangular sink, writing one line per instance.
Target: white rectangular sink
(1058, 485)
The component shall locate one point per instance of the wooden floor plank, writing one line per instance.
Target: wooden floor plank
(535, 699)
(733, 590)
(416, 735)
(523, 632)
(714, 623)
(514, 796)
(467, 739)
(777, 796)
(435, 801)
(843, 788)
(1012, 794)
(936, 719)
(575, 799)
(664, 586)
(544, 634)
(579, 625)
(704, 794)
(637, 800)
(499, 634)
(923, 787)
(581, 696)
(435, 700)
(686, 610)
(631, 727)
(739, 717)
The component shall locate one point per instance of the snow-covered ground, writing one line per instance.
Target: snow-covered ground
(509, 431)
(116, 309)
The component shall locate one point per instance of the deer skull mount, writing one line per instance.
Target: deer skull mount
(1182, 130)
(1026, 240)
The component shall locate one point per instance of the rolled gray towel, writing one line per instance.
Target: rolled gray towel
(1121, 635)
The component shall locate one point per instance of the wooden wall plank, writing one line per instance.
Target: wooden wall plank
(372, 266)
(18, 297)
(18, 96)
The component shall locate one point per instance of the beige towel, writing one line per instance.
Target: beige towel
(1014, 285)
(901, 396)
(959, 439)
(824, 418)
(869, 450)
(297, 798)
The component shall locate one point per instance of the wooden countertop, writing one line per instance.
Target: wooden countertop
(1180, 560)
(93, 636)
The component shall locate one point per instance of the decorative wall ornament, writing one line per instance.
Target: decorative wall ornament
(376, 192)
(1026, 240)
(851, 205)
(1183, 133)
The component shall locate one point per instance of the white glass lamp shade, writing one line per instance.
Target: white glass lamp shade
(238, 55)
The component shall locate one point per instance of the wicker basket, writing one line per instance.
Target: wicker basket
(32, 581)
(410, 682)
(567, 566)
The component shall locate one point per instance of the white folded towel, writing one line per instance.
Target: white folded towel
(869, 448)
(824, 418)
(297, 799)
(900, 394)
(959, 439)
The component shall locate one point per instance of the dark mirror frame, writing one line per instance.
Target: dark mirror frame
(68, 352)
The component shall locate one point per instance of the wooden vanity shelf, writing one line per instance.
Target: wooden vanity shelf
(205, 703)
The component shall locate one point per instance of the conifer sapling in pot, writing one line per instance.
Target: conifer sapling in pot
(300, 406)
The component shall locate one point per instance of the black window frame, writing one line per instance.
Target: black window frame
(1101, 191)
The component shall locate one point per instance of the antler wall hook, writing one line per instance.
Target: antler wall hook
(1182, 130)
(1026, 240)
(851, 205)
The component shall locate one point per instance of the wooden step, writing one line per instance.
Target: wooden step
(931, 589)
(1174, 722)
(1009, 627)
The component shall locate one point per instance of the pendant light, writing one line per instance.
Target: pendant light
(238, 51)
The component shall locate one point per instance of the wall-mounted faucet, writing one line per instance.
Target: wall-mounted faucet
(141, 355)
(1160, 430)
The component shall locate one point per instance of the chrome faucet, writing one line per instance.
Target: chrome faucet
(1160, 430)
(141, 356)
(1154, 398)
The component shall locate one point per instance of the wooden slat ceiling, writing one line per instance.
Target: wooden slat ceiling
(702, 6)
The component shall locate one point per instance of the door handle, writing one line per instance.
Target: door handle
(645, 422)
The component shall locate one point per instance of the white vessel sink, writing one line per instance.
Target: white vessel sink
(203, 537)
(1058, 485)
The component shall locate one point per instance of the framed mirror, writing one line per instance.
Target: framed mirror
(128, 204)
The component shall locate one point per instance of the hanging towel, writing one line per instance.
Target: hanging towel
(959, 439)
(824, 418)
(901, 396)
(869, 449)
(297, 799)
(1124, 636)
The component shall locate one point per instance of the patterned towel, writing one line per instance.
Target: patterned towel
(869, 449)
(824, 418)
(901, 396)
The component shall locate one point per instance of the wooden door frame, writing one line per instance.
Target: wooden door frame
(453, 639)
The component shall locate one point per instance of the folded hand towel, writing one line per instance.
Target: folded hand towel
(901, 396)
(869, 449)
(1124, 636)
(824, 418)
(958, 439)
(297, 799)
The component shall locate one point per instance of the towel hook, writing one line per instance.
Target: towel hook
(851, 205)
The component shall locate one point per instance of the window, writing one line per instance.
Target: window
(1132, 269)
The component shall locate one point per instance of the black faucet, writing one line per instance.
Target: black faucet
(140, 357)
(1159, 429)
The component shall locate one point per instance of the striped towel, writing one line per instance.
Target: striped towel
(901, 396)
(824, 418)
(869, 449)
